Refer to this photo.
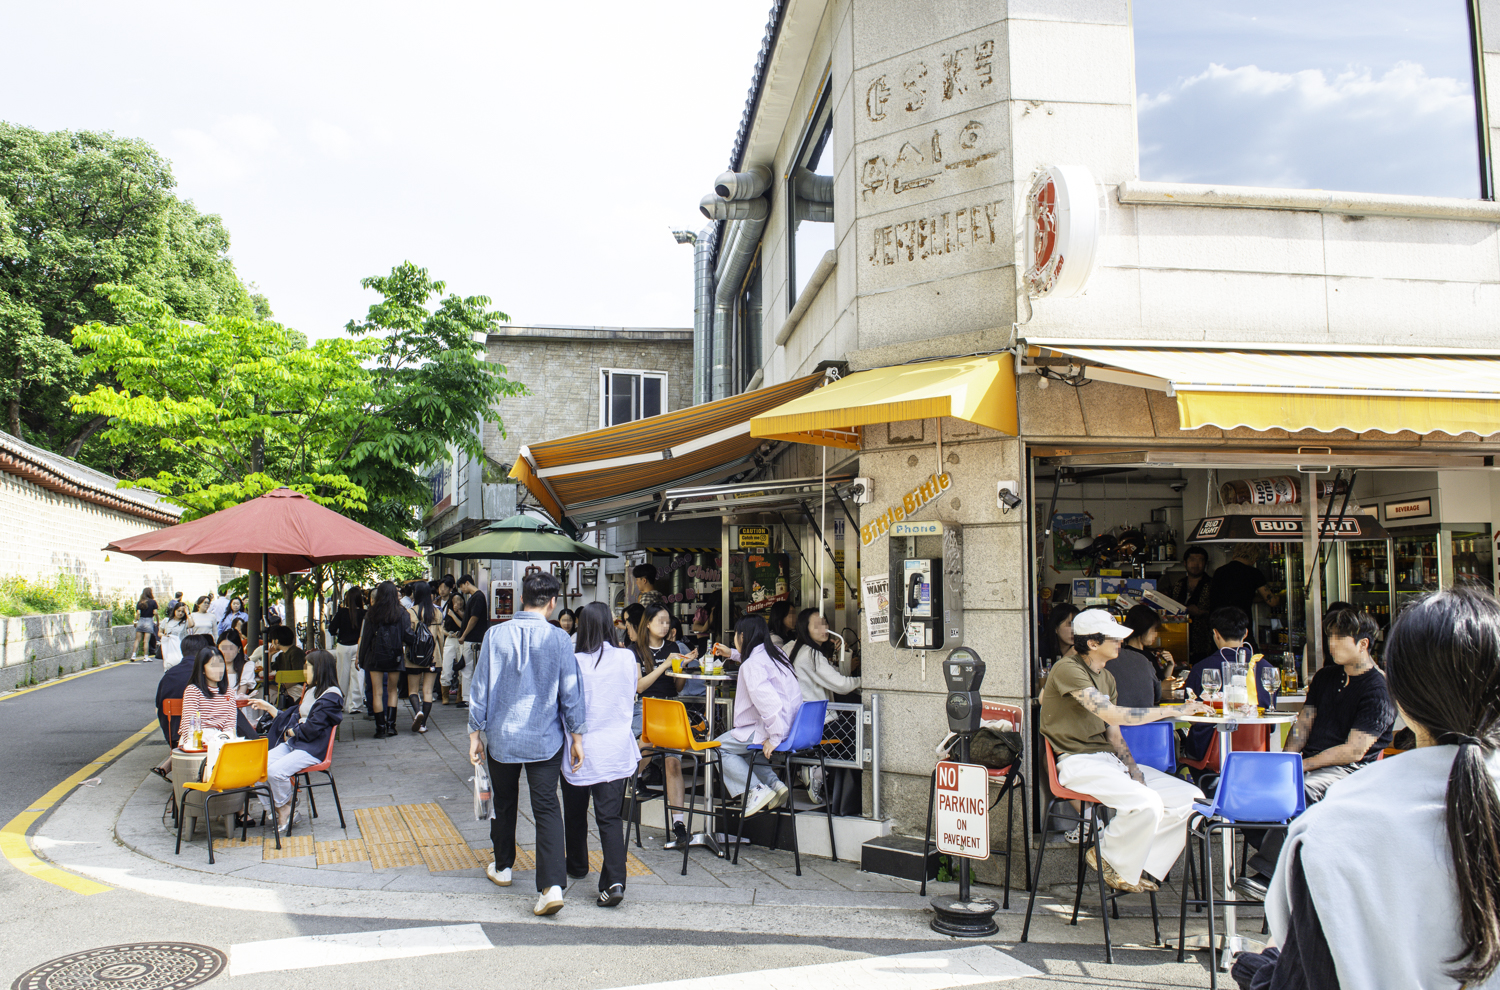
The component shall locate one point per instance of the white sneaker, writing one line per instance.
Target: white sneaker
(500, 878)
(760, 799)
(1078, 834)
(783, 795)
(549, 902)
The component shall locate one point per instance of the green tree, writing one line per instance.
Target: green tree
(241, 405)
(79, 210)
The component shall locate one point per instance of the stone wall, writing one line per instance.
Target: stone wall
(561, 366)
(47, 533)
(41, 647)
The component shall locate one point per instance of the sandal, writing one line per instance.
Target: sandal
(162, 774)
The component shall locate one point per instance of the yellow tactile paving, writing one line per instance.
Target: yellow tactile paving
(253, 842)
(291, 846)
(429, 825)
(382, 825)
(443, 858)
(386, 856)
(341, 851)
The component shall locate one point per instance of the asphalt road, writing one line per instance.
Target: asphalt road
(51, 733)
(48, 734)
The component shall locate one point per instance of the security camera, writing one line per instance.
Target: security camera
(1005, 495)
(1177, 486)
(861, 490)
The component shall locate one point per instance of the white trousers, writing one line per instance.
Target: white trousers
(350, 677)
(1149, 827)
(451, 647)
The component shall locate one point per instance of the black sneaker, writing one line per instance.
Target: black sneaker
(680, 836)
(461, 704)
(611, 897)
(1253, 886)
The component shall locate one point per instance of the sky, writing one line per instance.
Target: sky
(1367, 96)
(538, 154)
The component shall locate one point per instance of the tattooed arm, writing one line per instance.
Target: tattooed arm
(1098, 702)
(1121, 750)
(1297, 738)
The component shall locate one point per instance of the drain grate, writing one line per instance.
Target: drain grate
(144, 966)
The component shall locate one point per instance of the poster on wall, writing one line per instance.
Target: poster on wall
(1067, 527)
(766, 575)
(838, 563)
(877, 608)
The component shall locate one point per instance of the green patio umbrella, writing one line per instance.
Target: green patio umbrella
(523, 538)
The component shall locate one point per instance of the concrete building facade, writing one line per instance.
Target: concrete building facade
(941, 117)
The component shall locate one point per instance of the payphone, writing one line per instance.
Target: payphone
(926, 569)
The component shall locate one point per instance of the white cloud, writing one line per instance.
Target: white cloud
(331, 139)
(1400, 132)
(227, 150)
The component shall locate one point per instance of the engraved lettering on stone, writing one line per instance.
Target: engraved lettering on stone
(937, 147)
(984, 54)
(954, 81)
(876, 98)
(911, 156)
(950, 232)
(968, 139)
(912, 169)
(873, 175)
(914, 82)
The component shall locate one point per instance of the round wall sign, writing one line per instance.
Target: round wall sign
(1065, 218)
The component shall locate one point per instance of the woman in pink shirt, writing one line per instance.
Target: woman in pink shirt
(766, 700)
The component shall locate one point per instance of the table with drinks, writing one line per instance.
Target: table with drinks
(1231, 691)
(711, 672)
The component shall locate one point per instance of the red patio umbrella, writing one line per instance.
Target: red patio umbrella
(280, 532)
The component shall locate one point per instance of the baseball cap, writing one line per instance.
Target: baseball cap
(1097, 622)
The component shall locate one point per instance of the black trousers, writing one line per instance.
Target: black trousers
(609, 802)
(546, 811)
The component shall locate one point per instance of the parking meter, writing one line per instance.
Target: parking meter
(964, 672)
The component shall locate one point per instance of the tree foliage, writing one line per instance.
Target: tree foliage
(238, 406)
(80, 210)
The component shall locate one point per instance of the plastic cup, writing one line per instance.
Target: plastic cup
(676, 663)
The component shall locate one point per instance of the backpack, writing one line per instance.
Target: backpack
(995, 748)
(422, 644)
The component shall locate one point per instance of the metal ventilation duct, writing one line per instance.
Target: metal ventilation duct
(703, 312)
(743, 185)
(717, 208)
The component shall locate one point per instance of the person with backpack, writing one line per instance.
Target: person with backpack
(381, 641)
(422, 660)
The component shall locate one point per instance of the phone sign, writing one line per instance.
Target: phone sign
(963, 824)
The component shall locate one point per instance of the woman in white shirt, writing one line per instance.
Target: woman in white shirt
(819, 679)
(201, 621)
(172, 631)
(609, 676)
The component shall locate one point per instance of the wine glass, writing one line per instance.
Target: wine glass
(1270, 680)
(1210, 684)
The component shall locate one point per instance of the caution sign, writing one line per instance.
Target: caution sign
(755, 537)
(963, 823)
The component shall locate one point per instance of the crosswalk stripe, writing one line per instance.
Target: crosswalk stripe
(306, 951)
(908, 971)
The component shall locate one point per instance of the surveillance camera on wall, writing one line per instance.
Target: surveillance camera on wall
(1006, 495)
(1177, 486)
(860, 491)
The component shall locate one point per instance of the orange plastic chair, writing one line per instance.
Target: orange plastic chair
(240, 771)
(1090, 815)
(666, 731)
(302, 780)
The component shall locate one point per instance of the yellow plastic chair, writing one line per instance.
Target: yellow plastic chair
(240, 771)
(666, 731)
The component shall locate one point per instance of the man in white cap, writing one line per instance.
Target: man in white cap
(1081, 720)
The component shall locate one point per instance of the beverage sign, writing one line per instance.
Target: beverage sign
(1416, 508)
(963, 824)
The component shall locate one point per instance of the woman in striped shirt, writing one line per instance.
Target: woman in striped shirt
(209, 695)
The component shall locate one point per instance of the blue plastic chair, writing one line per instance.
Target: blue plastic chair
(1256, 791)
(803, 745)
(1152, 745)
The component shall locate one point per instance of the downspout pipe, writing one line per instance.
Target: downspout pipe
(735, 263)
(703, 312)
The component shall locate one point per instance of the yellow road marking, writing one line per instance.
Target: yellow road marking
(17, 850)
(62, 680)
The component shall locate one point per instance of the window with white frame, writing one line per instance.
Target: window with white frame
(626, 395)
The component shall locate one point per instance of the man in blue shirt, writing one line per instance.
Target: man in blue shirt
(526, 700)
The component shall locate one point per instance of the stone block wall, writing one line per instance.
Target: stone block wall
(561, 367)
(47, 533)
(41, 647)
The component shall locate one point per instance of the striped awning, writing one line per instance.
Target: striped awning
(623, 469)
(1306, 388)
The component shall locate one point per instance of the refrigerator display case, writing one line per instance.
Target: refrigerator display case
(1368, 569)
(1467, 552)
(1448, 555)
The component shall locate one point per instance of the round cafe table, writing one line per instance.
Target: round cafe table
(714, 842)
(1226, 725)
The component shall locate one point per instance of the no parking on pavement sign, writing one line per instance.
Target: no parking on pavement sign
(963, 823)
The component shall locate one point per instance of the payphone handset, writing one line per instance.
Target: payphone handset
(926, 583)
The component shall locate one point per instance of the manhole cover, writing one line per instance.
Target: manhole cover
(146, 966)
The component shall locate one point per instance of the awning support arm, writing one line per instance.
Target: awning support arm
(811, 521)
(1317, 555)
(1337, 522)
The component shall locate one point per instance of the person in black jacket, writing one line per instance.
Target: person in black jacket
(304, 732)
(174, 681)
(381, 651)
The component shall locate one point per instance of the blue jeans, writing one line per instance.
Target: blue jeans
(734, 760)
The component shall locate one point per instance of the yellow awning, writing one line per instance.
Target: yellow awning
(622, 469)
(977, 389)
(1306, 390)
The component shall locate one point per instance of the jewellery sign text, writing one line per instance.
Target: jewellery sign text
(934, 486)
